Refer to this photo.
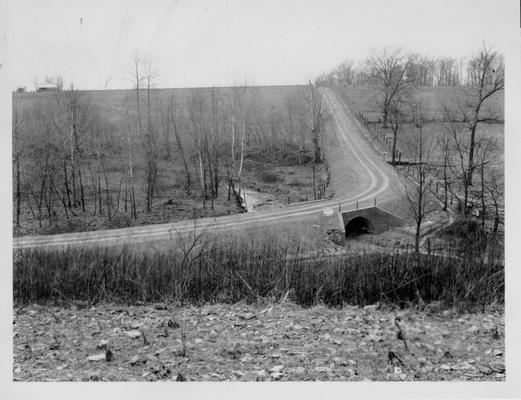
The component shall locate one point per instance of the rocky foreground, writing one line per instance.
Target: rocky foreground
(281, 342)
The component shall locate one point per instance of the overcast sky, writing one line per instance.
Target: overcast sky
(221, 42)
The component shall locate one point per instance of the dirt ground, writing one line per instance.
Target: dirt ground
(280, 342)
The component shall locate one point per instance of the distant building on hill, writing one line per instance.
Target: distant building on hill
(47, 87)
(20, 90)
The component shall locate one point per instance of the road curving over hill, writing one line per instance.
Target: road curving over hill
(375, 179)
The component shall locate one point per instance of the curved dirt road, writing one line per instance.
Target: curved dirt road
(374, 179)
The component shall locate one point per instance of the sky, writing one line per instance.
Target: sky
(225, 42)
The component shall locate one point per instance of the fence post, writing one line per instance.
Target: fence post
(357, 204)
(375, 201)
(338, 207)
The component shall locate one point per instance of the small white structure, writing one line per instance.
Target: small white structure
(47, 87)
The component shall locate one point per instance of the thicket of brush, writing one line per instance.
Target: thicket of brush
(264, 272)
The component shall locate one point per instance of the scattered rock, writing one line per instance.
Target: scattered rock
(150, 358)
(497, 366)
(276, 375)
(102, 345)
(340, 361)
(375, 336)
(172, 324)
(180, 377)
(277, 368)
(323, 370)
(248, 316)
(134, 334)
(97, 357)
(464, 365)
(249, 376)
(473, 329)
(134, 360)
(327, 337)
(336, 236)
(398, 372)
(300, 370)
(263, 376)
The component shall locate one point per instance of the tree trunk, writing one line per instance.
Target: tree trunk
(187, 171)
(445, 186)
(483, 206)
(81, 190)
(395, 137)
(18, 191)
(470, 170)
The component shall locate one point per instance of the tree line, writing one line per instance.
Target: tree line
(422, 69)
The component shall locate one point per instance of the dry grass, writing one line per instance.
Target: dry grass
(216, 273)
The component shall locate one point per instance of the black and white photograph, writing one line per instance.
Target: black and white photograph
(260, 191)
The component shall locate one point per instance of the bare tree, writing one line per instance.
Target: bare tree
(174, 123)
(205, 136)
(399, 109)
(388, 69)
(490, 173)
(317, 121)
(488, 78)
(445, 147)
(76, 108)
(345, 72)
(495, 187)
(18, 127)
(240, 103)
(419, 198)
(149, 138)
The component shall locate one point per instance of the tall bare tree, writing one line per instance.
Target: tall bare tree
(317, 121)
(399, 109)
(149, 136)
(18, 147)
(418, 193)
(388, 71)
(474, 101)
(76, 108)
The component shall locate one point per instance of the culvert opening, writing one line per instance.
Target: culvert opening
(358, 226)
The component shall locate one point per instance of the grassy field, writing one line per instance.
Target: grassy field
(363, 99)
(277, 157)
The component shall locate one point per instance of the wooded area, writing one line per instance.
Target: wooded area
(83, 160)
